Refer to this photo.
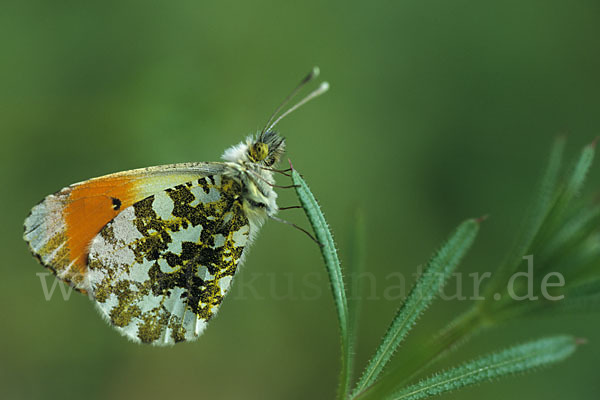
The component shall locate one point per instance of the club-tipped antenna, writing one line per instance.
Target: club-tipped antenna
(323, 87)
(311, 75)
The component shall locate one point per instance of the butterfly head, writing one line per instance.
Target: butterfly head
(267, 148)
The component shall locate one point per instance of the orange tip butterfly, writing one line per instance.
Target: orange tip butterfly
(156, 248)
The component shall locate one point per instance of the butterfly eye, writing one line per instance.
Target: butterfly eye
(259, 151)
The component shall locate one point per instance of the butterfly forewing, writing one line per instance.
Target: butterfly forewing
(159, 270)
(59, 229)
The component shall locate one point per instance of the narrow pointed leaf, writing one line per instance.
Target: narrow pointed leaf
(517, 359)
(584, 261)
(579, 174)
(571, 189)
(583, 297)
(534, 219)
(439, 268)
(570, 236)
(334, 271)
(584, 289)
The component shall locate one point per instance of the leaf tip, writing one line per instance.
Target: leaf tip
(581, 341)
(482, 218)
(593, 144)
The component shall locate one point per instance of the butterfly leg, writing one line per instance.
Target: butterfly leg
(283, 221)
(279, 171)
(289, 208)
(254, 173)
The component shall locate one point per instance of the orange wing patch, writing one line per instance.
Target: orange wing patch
(90, 207)
(59, 230)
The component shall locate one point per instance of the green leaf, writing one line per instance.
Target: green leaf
(584, 260)
(569, 236)
(534, 219)
(554, 225)
(582, 297)
(437, 271)
(585, 288)
(334, 271)
(579, 297)
(579, 174)
(517, 359)
(571, 189)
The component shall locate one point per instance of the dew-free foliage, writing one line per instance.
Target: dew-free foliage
(560, 231)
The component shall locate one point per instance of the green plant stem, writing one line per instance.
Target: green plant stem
(453, 336)
(357, 265)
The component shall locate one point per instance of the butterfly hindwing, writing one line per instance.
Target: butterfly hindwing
(159, 270)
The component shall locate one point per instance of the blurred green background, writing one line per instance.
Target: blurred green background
(438, 111)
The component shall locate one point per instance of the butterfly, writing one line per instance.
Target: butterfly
(156, 248)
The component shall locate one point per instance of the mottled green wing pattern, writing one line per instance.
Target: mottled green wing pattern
(159, 270)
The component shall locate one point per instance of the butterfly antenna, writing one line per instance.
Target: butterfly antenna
(312, 75)
(315, 93)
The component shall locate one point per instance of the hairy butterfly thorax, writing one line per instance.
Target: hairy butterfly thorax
(252, 160)
(156, 248)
